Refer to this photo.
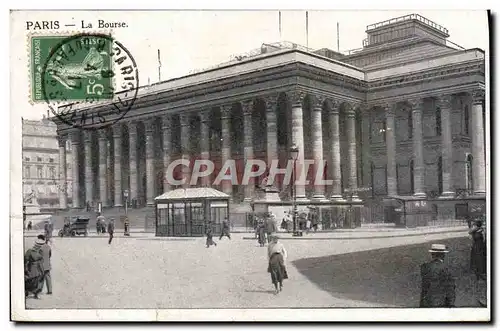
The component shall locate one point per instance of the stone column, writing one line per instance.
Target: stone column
(390, 141)
(478, 142)
(167, 149)
(117, 159)
(75, 148)
(186, 147)
(317, 145)
(296, 98)
(444, 104)
(63, 187)
(366, 148)
(205, 142)
(227, 186)
(150, 162)
(89, 175)
(248, 145)
(335, 151)
(271, 129)
(103, 169)
(418, 147)
(133, 165)
(351, 151)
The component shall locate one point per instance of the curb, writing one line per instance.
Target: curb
(362, 237)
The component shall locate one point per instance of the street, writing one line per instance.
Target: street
(149, 272)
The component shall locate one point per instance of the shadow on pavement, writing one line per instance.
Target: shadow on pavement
(259, 291)
(389, 276)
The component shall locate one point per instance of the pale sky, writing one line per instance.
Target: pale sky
(190, 40)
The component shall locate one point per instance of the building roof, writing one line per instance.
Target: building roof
(193, 193)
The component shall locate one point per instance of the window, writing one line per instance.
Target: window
(438, 122)
(410, 124)
(27, 159)
(39, 172)
(52, 172)
(440, 175)
(51, 160)
(468, 173)
(466, 120)
(27, 172)
(39, 159)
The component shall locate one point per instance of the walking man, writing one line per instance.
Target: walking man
(225, 229)
(271, 227)
(47, 255)
(33, 268)
(111, 229)
(438, 284)
(209, 233)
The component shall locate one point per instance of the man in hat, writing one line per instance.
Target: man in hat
(438, 284)
(111, 229)
(47, 255)
(33, 268)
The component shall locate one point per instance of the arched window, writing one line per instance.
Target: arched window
(468, 173)
(410, 124)
(440, 174)
(438, 121)
(412, 180)
(466, 120)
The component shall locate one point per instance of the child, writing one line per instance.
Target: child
(210, 240)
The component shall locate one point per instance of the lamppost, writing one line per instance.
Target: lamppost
(125, 195)
(294, 153)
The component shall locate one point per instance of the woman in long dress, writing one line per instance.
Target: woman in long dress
(261, 233)
(478, 250)
(277, 256)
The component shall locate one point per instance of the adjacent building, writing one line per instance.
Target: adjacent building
(42, 184)
(402, 116)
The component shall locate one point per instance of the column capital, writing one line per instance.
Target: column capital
(416, 104)
(132, 124)
(87, 136)
(74, 136)
(334, 106)
(271, 102)
(185, 119)
(117, 130)
(205, 116)
(225, 111)
(61, 140)
(166, 122)
(247, 107)
(389, 108)
(149, 125)
(349, 109)
(102, 134)
(362, 107)
(317, 102)
(296, 97)
(477, 96)
(444, 101)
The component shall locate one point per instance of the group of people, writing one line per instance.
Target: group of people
(225, 232)
(37, 267)
(101, 226)
(438, 283)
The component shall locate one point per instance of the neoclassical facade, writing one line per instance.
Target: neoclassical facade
(404, 115)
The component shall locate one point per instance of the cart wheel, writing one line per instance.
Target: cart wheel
(73, 233)
(60, 233)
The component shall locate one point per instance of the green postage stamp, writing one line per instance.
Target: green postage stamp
(70, 68)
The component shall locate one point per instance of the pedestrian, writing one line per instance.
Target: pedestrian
(111, 229)
(126, 225)
(30, 225)
(209, 233)
(277, 256)
(100, 223)
(261, 233)
(47, 255)
(438, 284)
(33, 268)
(270, 227)
(225, 229)
(478, 250)
(48, 228)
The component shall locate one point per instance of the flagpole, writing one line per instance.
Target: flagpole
(307, 30)
(279, 22)
(159, 66)
(338, 38)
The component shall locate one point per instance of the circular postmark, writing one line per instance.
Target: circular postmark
(90, 81)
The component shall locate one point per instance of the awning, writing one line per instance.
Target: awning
(193, 193)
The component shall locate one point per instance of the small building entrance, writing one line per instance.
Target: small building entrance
(186, 212)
